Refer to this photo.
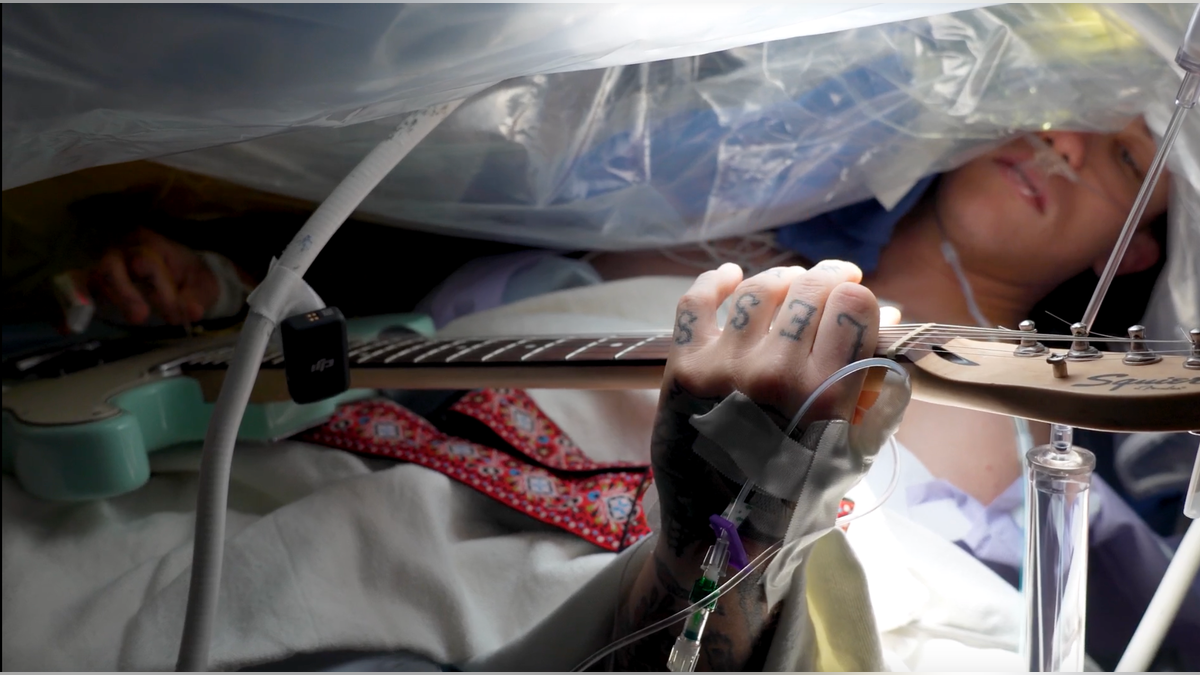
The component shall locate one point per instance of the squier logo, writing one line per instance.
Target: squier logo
(321, 365)
(1117, 381)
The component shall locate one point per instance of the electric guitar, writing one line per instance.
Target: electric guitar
(86, 435)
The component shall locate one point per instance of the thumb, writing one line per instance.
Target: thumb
(889, 316)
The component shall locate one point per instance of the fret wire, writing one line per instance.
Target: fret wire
(562, 349)
(399, 354)
(439, 349)
(585, 347)
(626, 351)
(473, 348)
(400, 344)
(505, 348)
(366, 346)
(545, 347)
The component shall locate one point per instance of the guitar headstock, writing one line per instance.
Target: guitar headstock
(1138, 390)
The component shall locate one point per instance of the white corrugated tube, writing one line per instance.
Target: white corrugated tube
(268, 304)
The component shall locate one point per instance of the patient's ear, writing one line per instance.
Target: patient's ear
(1141, 255)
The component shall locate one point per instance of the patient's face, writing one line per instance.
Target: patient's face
(1028, 221)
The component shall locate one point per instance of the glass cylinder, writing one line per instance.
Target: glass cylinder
(1056, 553)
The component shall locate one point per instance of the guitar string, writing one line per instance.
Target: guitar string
(931, 337)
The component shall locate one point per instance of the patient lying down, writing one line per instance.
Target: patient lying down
(787, 329)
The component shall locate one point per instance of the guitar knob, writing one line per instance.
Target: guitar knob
(1080, 349)
(1193, 361)
(1029, 345)
(1138, 354)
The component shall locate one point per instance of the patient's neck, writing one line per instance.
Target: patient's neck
(913, 273)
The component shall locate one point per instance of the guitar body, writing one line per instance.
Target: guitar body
(87, 435)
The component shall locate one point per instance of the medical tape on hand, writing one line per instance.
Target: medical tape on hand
(282, 294)
(739, 440)
(744, 444)
(232, 291)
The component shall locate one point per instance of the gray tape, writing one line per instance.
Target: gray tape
(743, 443)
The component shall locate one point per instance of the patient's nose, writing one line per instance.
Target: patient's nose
(1070, 145)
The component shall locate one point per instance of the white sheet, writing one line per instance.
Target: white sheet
(331, 550)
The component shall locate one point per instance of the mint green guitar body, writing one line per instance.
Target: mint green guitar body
(108, 456)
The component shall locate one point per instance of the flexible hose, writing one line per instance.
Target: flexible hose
(213, 492)
(359, 183)
(1160, 614)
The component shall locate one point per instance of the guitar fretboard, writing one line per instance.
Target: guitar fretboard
(631, 349)
(508, 351)
(416, 352)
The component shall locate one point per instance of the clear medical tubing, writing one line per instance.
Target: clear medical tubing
(762, 559)
(1056, 518)
(213, 490)
(1184, 101)
(766, 555)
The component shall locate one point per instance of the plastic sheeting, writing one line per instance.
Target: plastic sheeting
(551, 150)
(735, 141)
(96, 84)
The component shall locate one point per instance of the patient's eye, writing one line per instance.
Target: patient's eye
(1127, 159)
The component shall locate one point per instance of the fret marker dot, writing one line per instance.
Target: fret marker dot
(615, 344)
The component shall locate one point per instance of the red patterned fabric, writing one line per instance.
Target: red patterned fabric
(550, 480)
(513, 415)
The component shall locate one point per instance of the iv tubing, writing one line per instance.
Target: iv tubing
(213, 491)
(766, 555)
(887, 492)
(837, 377)
(1185, 100)
(1164, 605)
(762, 559)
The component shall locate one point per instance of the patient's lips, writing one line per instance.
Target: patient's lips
(1028, 181)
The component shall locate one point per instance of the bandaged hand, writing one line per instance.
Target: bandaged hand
(787, 330)
(148, 277)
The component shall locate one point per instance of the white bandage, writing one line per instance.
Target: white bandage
(232, 290)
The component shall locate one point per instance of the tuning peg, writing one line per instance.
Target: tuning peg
(1059, 364)
(1138, 354)
(1080, 349)
(1029, 345)
(1193, 361)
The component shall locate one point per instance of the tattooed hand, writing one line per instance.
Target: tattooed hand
(788, 330)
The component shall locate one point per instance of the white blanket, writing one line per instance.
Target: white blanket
(330, 550)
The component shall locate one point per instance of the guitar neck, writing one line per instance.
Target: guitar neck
(950, 365)
(618, 361)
